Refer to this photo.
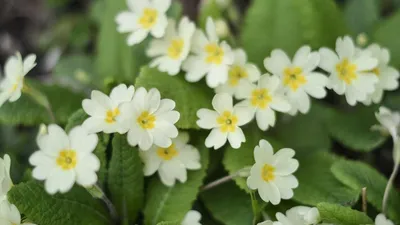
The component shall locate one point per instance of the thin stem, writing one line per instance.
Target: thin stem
(389, 186)
(110, 205)
(225, 179)
(364, 199)
(254, 206)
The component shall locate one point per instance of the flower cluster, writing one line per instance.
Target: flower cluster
(299, 215)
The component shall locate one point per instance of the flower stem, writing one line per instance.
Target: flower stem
(389, 186)
(41, 99)
(240, 173)
(97, 192)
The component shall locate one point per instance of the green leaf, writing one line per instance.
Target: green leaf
(169, 223)
(188, 97)
(353, 129)
(75, 207)
(76, 70)
(358, 175)
(289, 24)
(386, 34)
(340, 215)
(209, 9)
(26, 111)
(125, 180)
(115, 59)
(362, 16)
(77, 119)
(175, 10)
(172, 203)
(228, 204)
(291, 130)
(237, 159)
(317, 183)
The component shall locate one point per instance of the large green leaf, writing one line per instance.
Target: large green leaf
(386, 34)
(353, 128)
(188, 97)
(362, 16)
(75, 207)
(237, 159)
(358, 175)
(229, 205)
(115, 58)
(317, 183)
(305, 132)
(125, 178)
(341, 215)
(76, 119)
(289, 24)
(27, 111)
(172, 203)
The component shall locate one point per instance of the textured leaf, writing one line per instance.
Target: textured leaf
(386, 34)
(229, 205)
(341, 215)
(172, 203)
(358, 175)
(27, 111)
(114, 57)
(362, 16)
(77, 119)
(75, 207)
(289, 24)
(317, 183)
(125, 180)
(237, 159)
(188, 97)
(353, 129)
(305, 132)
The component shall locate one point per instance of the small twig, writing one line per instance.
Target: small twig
(364, 199)
(224, 179)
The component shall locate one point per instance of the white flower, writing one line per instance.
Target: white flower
(105, 111)
(298, 77)
(224, 122)
(15, 70)
(263, 99)
(299, 215)
(389, 122)
(173, 49)
(387, 75)
(348, 70)
(65, 159)
(151, 119)
(143, 17)
(192, 218)
(5, 179)
(222, 28)
(10, 215)
(173, 161)
(240, 72)
(272, 173)
(382, 220)
(211, 58)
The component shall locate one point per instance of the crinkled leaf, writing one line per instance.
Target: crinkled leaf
(75, 207)
(188, 97)
(228, 204)
(362, 16)
(353, 128)
(317, 183)
(341, 215)
(289, 24)
(386, 34)
(172, 203)
(358, 175)
(237, 159)
(27, 111)
(125, 178)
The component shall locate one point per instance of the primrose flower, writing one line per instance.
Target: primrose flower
(5, 179)
(192, 218)
(10, 215)
(382, 220)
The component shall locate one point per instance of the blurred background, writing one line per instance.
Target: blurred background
(65, 34)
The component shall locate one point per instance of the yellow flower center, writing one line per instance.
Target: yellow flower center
(149, 18)
(175, 48)
(346, 71)
(215, 54)
(268, 173)
(235, 74)
(294, 78)
(16, 84)
(67, 159)
(227, 121)
(376, 71)
(167, 153)
(111, 115)
(146, 120)
(260, 98)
